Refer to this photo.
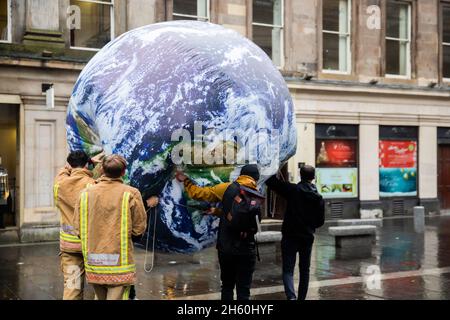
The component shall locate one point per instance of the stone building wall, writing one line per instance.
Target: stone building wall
(325, 98)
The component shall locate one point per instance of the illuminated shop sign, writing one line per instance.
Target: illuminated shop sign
(337, 182)
(336, 172)
(398, 168)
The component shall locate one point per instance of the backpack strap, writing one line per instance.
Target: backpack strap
(229, 197)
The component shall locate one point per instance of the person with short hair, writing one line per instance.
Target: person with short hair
(305, 211)
(69, 182)
(106, 217)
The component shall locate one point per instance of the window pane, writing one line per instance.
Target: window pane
(269, 40)
(446, 24)
(4, 19)
(95, 25)
(262, 36)
(446, 70)
(396, 57)
(330, 51)
(335, 52)
(330, 16)
(190, 7)
(397, 20)
(335, 16)
(267, 11)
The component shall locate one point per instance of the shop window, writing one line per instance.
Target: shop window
(5, 20)
(398, 161)
(446, 41)
(337, 161)
(268, 24)
(96, 26)
(191, 10)
(336, 50)
(398, 38)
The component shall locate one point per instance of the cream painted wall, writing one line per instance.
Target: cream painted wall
(368, 162)
(427, 162)
(45, 152)
(369, 111)
(306, 149)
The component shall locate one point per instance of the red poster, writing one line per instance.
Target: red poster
(336, 153)
(398, 154)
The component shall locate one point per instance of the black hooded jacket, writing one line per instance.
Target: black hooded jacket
(305, 209)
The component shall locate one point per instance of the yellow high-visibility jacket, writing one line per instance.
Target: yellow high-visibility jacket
(215, 193)
(66, 190)
(106, 216)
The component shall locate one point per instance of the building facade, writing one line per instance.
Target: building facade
(370, 81)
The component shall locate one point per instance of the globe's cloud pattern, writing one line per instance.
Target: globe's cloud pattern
(152, 80)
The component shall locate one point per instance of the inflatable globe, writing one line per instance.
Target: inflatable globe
(148, 83)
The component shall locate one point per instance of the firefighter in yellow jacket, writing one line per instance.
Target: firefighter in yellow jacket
(106, 216)
(69, 182)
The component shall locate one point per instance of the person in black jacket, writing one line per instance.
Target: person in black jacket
(305, 212)
(236, 250)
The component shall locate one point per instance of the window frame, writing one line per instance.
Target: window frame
(349, 42)
(400, 40)
(280, 27)
(442, 44)
(112, 22)
(207, 18)
(9, 24)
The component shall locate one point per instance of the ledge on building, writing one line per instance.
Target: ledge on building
(38, 233)
(38, 53)
(346, 86)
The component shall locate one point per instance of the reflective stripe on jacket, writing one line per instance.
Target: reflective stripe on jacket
(66, 190)
(105, 218)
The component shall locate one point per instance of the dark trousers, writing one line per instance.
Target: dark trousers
(289, 249)
(132, 295)
(236, 271)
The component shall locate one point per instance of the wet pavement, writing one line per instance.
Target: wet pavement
(412, 265)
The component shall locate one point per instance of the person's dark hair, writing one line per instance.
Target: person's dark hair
(307, 173)
(250, 170)
(77, 159)
(114, 166)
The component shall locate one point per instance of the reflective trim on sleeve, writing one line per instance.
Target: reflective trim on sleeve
(83, 222)
(124, 229)
(110, 269)
(55, 193)
(69, 237)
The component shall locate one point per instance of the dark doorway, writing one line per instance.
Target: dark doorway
(9, 148)
(444, 175)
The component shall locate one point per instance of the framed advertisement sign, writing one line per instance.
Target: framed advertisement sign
(336, 153)
(398, 168)
(337, 161)
(337, 182)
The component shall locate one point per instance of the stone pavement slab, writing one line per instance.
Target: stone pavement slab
(412, 265)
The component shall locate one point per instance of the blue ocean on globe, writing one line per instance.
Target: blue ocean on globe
(150, 81)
